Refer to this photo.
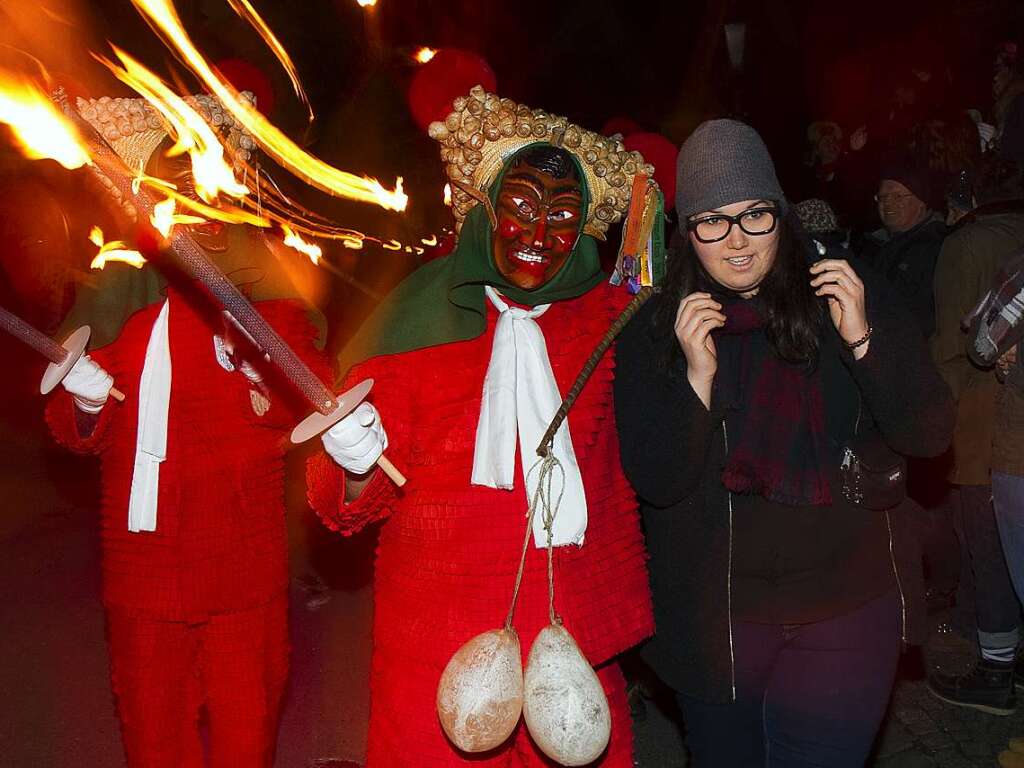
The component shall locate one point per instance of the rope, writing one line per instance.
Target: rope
(542, 497)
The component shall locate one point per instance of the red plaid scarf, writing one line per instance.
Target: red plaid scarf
(776, 413)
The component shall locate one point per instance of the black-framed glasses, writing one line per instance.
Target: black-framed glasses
(893, 197)
(717, 226)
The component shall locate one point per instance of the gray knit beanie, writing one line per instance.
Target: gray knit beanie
(724, 162)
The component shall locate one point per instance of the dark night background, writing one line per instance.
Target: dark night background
(663, 64)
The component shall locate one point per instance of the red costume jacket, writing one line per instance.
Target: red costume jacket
(449, 551)
(220, 542)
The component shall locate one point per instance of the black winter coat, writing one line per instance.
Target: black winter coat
(673, 450)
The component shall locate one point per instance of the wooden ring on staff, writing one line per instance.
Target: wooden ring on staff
(318, 423)
(75, 345)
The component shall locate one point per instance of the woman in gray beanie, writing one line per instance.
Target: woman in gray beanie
(746, 392)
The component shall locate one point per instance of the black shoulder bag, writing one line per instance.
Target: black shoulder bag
(873, 475)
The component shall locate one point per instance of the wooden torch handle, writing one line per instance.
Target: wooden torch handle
(117, 394)
(391, 471)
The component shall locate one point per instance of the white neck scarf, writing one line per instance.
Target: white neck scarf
(521, 397)
(151, 440)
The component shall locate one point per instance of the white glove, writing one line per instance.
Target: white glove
(89, 384)
(357, 441)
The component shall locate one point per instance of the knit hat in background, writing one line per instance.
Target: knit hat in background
(913, 178)
(724, 162)
(817, 216)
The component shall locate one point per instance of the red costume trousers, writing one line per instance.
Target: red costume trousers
(234, 665)
(411, 736)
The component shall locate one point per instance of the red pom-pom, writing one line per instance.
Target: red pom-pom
(623, 126)
(451, 73)
(245, 76)
(445, 245)
(661, 153)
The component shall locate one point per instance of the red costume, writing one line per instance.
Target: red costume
(197, 609)
(449, 550)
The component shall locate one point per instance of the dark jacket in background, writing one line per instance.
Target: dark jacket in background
(907, 260)
(674, 450)
(971, 256)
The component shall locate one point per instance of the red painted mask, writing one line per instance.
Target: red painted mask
(538, 224)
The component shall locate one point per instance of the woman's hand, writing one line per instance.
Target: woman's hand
(835, 279)
(697, 316)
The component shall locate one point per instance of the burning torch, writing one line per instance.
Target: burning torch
(189, 257)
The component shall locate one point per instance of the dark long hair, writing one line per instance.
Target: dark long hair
(794, 313)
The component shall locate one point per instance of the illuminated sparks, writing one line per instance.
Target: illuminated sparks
(356, 244)
(448, 195)
(431, 241)
(424, 54)
(293, 240)
(192, 134)
(39, 128)
(244, 9)
(164, 217)
(391, 245)
(115, 250)
(164, 19)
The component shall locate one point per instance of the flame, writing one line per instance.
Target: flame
(366, 3)
(431, 241)
(424, 54)
(39, 128)
(162, 16)
(164, 217)
(448, 195)
(245, 10)
(224, 213)
(293, 240)
(113, 251)
(192, 134)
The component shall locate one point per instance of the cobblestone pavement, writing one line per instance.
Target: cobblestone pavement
(919, 731)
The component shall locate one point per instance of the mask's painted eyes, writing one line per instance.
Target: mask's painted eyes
(522, 204)
(561, 215)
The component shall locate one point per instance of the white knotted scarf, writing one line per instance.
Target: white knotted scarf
(151, 440)
(519, 400)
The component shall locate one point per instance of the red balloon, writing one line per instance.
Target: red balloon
(248, 77)
(436, 84)
(624, 126)
(661, 153)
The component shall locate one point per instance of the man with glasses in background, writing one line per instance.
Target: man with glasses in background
(906, 248)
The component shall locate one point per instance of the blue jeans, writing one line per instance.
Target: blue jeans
(806, 695)
(1008, 502)
(996, 608)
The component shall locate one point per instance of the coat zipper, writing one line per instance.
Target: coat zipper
(892, 551)
(728, 579)
(899, 583)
